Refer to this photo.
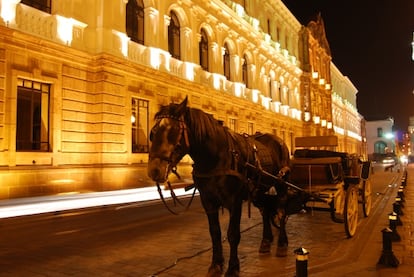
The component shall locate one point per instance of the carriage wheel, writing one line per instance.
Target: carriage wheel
(366, 197)
(351, 210)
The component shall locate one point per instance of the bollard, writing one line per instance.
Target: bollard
(400, 193)
(404, 179)
(399, 201)
(387, 257)
(301, 262)
(396, 207)
(393, 226)
(398, 222)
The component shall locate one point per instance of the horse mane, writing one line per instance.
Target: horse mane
(203, 125)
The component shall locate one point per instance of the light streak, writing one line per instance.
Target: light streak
(47, 204)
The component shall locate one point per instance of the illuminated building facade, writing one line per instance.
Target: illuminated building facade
(347, 122)
(316, 79)
(79, 86)
(411, 134)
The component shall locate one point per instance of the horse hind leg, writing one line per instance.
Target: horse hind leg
(282, 242)
(267, 236)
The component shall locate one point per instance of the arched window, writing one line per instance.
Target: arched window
(245, 72)
(203, 50)
(379, 147)
(135, 20)
(43, 5)
(174, 37)
(226, 62)
(271, 84)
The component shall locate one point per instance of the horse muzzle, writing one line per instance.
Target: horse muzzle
(158, 170)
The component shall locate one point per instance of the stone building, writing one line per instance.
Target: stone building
(80, 82)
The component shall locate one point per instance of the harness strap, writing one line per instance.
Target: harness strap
(184, 130)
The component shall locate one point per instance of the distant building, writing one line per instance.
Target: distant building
(380, 138)
(412, 44)
(410, 133)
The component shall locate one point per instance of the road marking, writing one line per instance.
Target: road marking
(66, 232)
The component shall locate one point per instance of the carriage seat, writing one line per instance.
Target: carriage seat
(316, 171)
(346, 160)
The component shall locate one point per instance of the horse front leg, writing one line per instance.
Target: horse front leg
(233, 235)
(282, 242)
(216, 267)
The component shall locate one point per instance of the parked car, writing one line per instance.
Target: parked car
(388, 161)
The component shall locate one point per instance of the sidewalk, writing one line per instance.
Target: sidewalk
(365, 263)
(404, 249)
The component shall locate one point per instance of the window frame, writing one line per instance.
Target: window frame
(39, 138)
(136, 119)
(203, 50)
(135, 21)
(226, 63)
(43, 5)
(245, 72)
(174, 36)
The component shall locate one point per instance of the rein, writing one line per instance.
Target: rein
(175, 198)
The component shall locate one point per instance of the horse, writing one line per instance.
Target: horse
(227, 170)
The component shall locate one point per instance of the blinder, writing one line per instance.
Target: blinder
(181, 140)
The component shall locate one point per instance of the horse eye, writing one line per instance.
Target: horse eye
(173, 135)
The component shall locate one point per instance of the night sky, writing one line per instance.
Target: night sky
(370, 43)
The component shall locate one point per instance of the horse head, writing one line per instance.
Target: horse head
(169, 141)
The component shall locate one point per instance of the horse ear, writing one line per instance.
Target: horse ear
(182, 107)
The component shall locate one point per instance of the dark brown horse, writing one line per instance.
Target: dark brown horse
(227, 170)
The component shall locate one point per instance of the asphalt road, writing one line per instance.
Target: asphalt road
(144, 239)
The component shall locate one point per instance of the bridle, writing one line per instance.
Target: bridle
(178, 151)
(176, 155)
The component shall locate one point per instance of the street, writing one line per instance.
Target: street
(144, 239)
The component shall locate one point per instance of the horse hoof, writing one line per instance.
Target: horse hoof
(215, 270)
(232, 274)
(281, 251)
(265, 246)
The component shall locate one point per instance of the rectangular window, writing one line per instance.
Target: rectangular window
(379, 132)
(250, 128)
(32, 131)
(43, 5)
(232, 124)
(139, 120)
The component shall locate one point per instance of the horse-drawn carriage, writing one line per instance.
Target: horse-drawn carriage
(230, 168)
(332, 181)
